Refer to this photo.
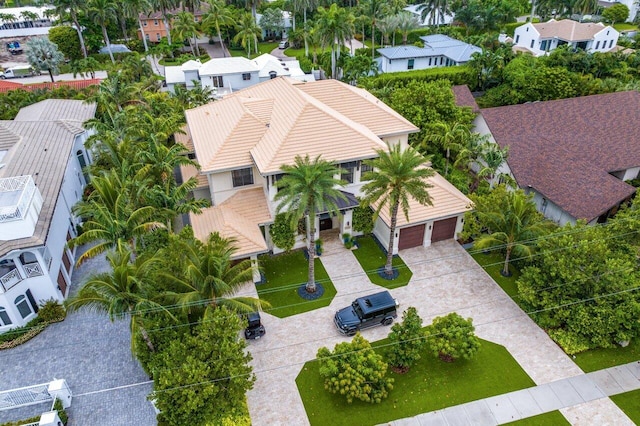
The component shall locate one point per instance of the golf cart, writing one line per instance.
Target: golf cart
(255, 329)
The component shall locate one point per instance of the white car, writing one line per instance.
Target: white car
(283, 44)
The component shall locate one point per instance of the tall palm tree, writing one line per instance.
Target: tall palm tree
(436, 10)
(514, 224)
(307, 189)
(397, 175)
(133, 9)
(211, 277)
(218, 15)
(73, 6)
(102, 13)
(374, 9)
(450, 136)
(248, 33)
(335, 25)
(407, 22)
(185, 27)
(124, 291)
(111, 215)
(165, 7)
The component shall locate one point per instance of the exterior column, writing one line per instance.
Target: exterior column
(254, 269)
(346, 225)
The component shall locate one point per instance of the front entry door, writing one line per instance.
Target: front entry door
(326, 224)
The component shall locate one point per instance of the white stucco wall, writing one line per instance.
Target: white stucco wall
(605, 39)
(631, 173)
(232, 82)
(552, 211)
(381, 231)
(396, 65)
(221, 185)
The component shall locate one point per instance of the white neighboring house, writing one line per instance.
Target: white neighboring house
(42, 155)
(539, 39)
(284, 34)
(631, 4)
(439, 51)
(226, 75)
(440, 19)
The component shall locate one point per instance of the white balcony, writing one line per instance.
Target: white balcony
(20, 204)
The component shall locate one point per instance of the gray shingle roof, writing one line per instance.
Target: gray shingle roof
(434, 45)
(42, 151)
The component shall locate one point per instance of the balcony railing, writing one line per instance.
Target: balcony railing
(16, 194)
(33, 270)
(10, 279)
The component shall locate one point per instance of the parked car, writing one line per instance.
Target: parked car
(255, 329)
(283, 44)
(368, 311)
(18, 71)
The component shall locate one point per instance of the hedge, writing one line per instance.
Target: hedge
(457, 75)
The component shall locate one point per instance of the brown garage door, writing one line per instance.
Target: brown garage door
(443, 229)
(411, 237)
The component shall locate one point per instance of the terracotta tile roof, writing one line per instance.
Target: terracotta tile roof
(569, 30)
(270, 123)
(184, 138)
(464, 98)
(447, 201)
(43, 151)
(239, 217)
(6, 86)
(565, 149)
(191, 171)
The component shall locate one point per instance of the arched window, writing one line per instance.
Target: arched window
(23, 306)
(4, 317)
(273, 74)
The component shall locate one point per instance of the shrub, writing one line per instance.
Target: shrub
(407, 341)
(281, 232)
(66, 38)
(456, 75)
(64, 417)
(363, 219)
(51, 311)
(451, 337)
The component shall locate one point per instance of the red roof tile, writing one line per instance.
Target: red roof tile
(6, 86)
(566, 149)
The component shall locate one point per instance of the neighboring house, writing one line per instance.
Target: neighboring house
(631, 4)
(439, 51)
(42, 155)
(241, 142)
(539, 39)
(439, 18)
(153, 25)
(571, 155)
(283, 34)
(21, 26)
(226, 75)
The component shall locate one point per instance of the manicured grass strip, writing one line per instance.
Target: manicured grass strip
(629, 403)
(265, 47)
(284, 273)
(493, 263)
(597, 359)
(430, 385)
(371, 258)
(551, 418)
(624, 26)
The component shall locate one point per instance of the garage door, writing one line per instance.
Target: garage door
(411, 237)
(444, 229)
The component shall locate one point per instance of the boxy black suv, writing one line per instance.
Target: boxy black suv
(367, 311)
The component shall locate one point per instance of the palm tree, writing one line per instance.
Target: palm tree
(374, 9)
(124, 291)
(307, 189)
(111, 215)
(218, 15)
(42, 54)
(101, 13)
(407, 22)
(450, 136)
(133, 9)
(397, 175)
(185, 27)
(435, 9)
(513, 224)
(165, 7)
(73, 6)
(491, 158)
(248, 33)
(335, 25)
(211, 277)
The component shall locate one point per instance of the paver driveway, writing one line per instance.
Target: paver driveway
(91, 354)
(445, 279)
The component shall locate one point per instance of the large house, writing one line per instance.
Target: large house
(242, 141)
(152, 25)
(574, 163)
(439, 51)
(42, 157)
(539, 39)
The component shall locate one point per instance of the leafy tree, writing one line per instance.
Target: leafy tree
(616, 13)
(248, 33)
(513, 225)
(583, 287)
(363, 219)
(398, 175)
(72, 7)
(67, 41)
(202, 378)
(123, 292)
(407, 22)
(197, 96)
(102, 13)
(490, 158)
(358, 66)
(407, 339)
(452, 337)
(185, 27)
(217, 16)
(450, 136)
(307, 189)
(272, 20)
(282, 233)
(43, 55)
(85, 66)
(355, 370)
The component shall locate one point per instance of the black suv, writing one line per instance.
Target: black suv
(367, 311)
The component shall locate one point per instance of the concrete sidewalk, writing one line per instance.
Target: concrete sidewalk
(537, 400)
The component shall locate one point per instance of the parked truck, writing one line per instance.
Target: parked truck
(18, 71)
(14, 48)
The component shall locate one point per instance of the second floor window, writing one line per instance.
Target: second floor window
(246, 76)
(348, 171)
(242, 177)
(155, 22)
(364, 167)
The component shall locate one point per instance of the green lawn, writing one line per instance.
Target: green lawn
(263, 47)
(629, 403)
(597, 359)
(430, 385)
(284, 274)
(493, 264)
(624, 26)
(551, 418)
(371, 258)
